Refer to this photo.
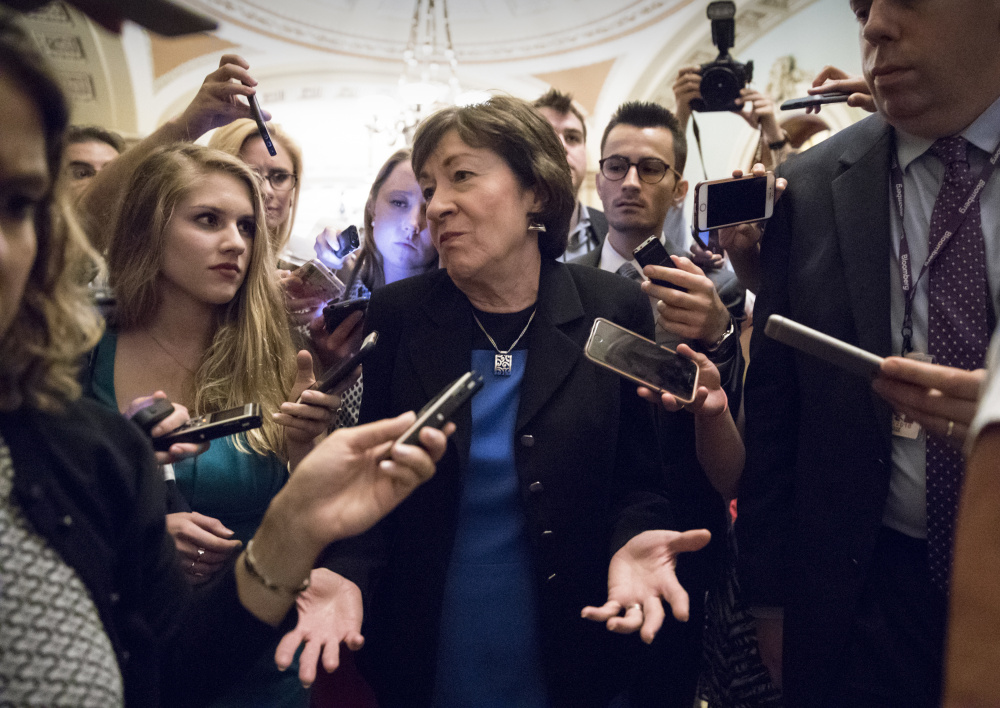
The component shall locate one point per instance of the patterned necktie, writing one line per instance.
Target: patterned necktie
(958, 335)
(629, 271)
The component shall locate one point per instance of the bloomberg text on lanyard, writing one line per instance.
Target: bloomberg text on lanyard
(954, 223)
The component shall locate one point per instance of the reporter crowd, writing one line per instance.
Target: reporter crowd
(569, 537)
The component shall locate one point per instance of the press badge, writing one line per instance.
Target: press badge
(900, 426)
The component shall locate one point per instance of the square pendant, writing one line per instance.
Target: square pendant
(502, 364)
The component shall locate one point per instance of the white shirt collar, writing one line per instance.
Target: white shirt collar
(983, 132)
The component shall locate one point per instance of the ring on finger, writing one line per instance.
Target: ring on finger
(951, 429)
(634, 606)
(201, 552)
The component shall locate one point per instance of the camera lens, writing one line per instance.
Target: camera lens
(720, 86)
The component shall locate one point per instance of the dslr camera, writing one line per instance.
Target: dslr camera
(724, 78)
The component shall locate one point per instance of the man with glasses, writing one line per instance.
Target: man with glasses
(642, 159)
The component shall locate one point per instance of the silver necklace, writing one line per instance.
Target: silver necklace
(503, 360)
(169, 353)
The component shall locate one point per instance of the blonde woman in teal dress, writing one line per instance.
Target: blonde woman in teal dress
(199, 317)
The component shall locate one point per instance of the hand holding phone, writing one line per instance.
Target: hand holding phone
(443, 406)
(338, 372)
(641, 360)
(829, 349)
(738, 200)
(652, 252)
(212, 426)
(820, 99)
(335, 313)
(318, 281)
(148, 417)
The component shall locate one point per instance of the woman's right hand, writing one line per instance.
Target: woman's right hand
(180, 416)
(203, 544)
(709, 400)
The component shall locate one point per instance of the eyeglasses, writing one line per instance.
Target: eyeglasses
(280, 181)
(650, 169)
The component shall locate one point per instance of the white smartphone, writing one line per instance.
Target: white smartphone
(642, 360)
(829, 349)
(740, 200)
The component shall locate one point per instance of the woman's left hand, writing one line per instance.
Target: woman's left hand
(709, 399)
(307, 414)
(641, 575)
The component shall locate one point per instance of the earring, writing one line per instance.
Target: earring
(536, 226)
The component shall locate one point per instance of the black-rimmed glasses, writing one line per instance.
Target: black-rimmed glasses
(650, 169)
(280, 180)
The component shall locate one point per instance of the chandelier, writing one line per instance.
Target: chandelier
(428, 80)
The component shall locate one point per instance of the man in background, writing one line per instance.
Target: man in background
(587, 227)
(88, 149)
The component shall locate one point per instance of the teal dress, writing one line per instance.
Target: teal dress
(234, 487)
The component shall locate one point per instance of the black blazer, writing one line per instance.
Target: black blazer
(819, 439)
(87, 481)
(586, 459)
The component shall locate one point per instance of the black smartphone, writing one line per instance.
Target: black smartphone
(147, 418)
(738, 200)
(641, 360)
(338, 372)
(652, 252)
(347, 241)
(258, 118)
(443, 406)
(829, 349)
(337, 312)
(212, 426)
(819, 99)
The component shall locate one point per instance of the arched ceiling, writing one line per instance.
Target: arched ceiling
(484, 31)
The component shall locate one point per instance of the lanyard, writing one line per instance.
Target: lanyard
(954, 222)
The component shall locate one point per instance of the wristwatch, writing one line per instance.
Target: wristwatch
(714, 346)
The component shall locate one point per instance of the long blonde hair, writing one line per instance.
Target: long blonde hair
(250, 358)
(54, 325)
(231, 139)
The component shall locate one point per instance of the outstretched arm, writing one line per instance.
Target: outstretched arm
(216, 104)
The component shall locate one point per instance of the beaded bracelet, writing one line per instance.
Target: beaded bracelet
(251, 565)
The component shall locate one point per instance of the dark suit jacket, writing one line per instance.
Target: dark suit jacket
(587, 466)
(818, 438)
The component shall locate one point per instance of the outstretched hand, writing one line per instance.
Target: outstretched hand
(641, 576)
(356, 476)
(330, 612)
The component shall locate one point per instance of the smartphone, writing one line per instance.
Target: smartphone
(652, 252)
(819, 99)
(347, 241)
(829, 349)
(727, 202)
(318, 280)
(258, 118)
(212, 426)
(443, 406)
(336, 312)
(642, 360)
(338, 372)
